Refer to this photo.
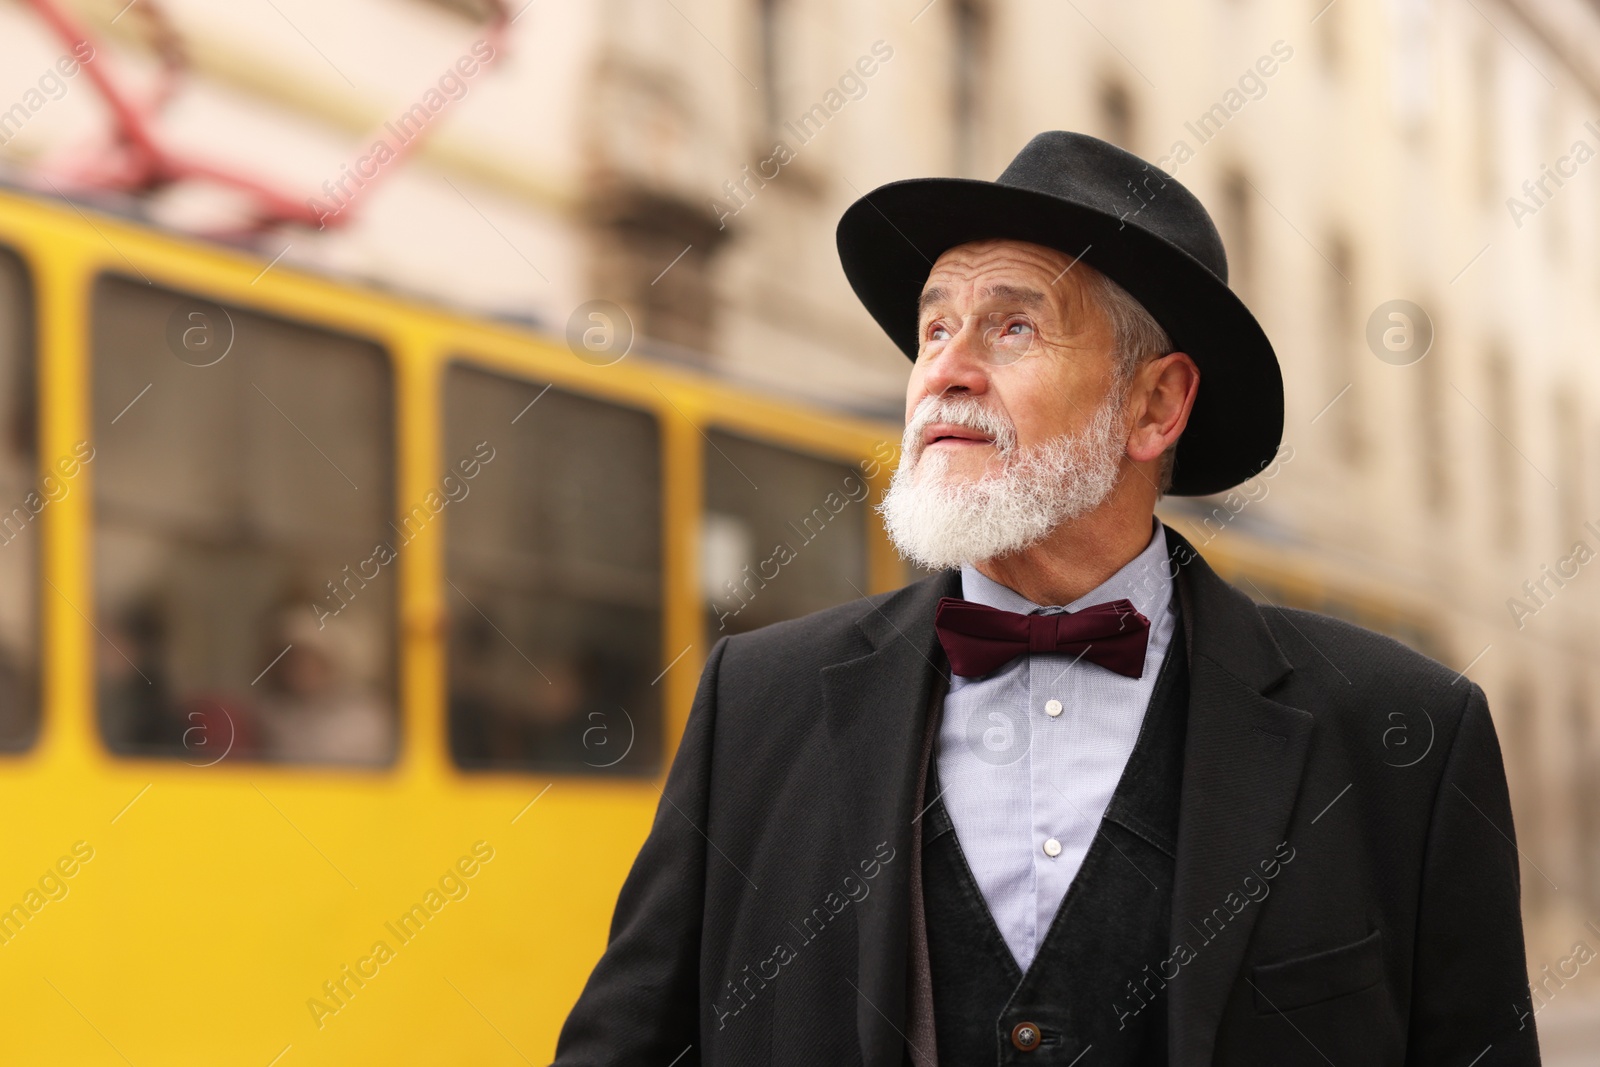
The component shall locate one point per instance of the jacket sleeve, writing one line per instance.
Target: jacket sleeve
(1470, 977)
(642, 1001)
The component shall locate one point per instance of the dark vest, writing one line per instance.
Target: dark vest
(1095, 980)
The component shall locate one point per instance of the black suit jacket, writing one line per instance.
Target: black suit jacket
(1346, 881)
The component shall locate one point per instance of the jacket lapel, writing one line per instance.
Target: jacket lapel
(876, 711)
(1243, 760)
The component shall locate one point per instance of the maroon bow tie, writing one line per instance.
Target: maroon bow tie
(980, 639)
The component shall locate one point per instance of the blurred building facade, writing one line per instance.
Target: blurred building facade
(688, 159)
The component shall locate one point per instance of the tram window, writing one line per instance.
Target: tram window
(784, 534)
(23, 495)
(243, 476)
(554, 568)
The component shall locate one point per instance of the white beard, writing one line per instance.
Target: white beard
(940, 524)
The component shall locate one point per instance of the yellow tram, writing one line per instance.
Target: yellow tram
(477, 560)
(344, 644)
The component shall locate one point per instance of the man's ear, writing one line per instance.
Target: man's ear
(1163, 395)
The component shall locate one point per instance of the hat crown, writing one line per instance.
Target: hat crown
(1107, 179)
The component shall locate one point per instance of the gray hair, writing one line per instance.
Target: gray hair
(1135, 337)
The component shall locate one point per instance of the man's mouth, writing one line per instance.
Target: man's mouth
(960, 436)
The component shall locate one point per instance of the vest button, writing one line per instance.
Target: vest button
(1025, 1036)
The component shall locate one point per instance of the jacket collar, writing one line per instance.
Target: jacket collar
(1231, 631)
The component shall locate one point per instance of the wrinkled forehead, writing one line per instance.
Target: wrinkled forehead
(1016, 273)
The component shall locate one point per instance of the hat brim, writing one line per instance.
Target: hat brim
(888, 241)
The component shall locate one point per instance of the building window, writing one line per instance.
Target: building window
(1500, 410)
(554, 582)
(1585, 793)
(1341, 354)
(796, 545)
(1327, 17)
(653, 255)
(1556, 207)
(770, 24)
(1437, 488)
(244, 555)
(1570, 472)
(476, 10)
(969, 73)
(24, 495)
(1485, 129)
(1237, 224)
(1116, 115)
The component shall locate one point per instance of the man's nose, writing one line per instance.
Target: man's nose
(961, 365)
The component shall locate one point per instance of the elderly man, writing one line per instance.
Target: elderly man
(1073, 799)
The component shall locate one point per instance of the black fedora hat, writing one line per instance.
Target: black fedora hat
(1122, 216)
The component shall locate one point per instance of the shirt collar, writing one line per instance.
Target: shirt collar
(1146, 580)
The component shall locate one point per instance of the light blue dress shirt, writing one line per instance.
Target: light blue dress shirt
(1030, 755)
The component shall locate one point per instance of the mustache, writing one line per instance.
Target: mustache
(964, 411)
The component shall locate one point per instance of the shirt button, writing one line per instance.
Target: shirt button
(1052, 708)
(1052, 848)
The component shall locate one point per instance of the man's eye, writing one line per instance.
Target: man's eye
(1018, 326)
(938, 332)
